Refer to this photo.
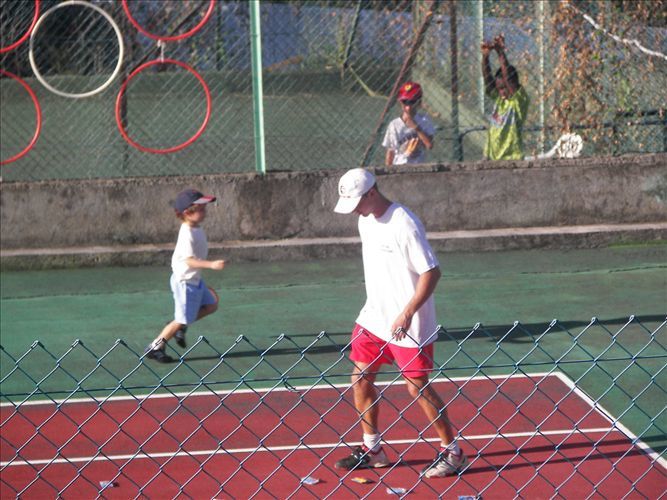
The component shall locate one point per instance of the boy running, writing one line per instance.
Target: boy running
(192, 298)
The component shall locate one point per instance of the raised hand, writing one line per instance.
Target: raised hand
(499, 42)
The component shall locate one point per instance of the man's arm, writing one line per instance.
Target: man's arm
(489, 82)
(194, 263)
(504, 64)
(425, 287)
(427, 140)
(389, 157)
(411, 123)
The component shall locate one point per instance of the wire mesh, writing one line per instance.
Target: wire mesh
(579, 411)
(328, 70)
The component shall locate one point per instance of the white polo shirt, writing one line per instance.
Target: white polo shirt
(395, 253)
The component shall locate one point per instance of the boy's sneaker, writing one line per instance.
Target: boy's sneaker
(158, 355)
(363, 458)
(446, 464)
(180, 336)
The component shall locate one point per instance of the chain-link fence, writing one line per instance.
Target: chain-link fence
(147, 87)
(578, 411)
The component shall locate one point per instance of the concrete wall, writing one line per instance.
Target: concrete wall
(483, 195)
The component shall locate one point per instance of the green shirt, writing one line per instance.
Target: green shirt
(505, 124)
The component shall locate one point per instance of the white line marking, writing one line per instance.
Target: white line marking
(616, 425)
(259, 449)
(143, 397)
(612, 420)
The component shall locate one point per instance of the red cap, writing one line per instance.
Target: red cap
(410, 91)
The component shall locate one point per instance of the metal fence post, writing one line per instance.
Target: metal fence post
(541, 8)
(479, 37)
(257, 89)
(454, 47)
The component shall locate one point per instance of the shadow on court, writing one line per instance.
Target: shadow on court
(509, 333)
(533, 456)
(527, 333)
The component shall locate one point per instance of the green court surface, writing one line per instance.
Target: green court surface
(618, 362)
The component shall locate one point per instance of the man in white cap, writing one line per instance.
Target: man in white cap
(397, 323)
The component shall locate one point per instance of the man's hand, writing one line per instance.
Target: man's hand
(499, 42)
(217, 265)
(408, 119)
(412, 146)
(401, 325)
(487, 47)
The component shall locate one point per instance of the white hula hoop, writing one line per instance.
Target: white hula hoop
(570, 146)
(567, 146)
(119, 37)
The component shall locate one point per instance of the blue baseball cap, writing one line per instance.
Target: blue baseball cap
(189, 197)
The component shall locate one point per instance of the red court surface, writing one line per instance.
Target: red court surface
(532, 436)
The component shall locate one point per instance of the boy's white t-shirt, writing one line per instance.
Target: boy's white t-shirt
(398, 134)
(395, 253)
(191, 243)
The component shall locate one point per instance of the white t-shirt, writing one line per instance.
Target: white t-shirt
(191, 243)
(397, 136)
(395, 253)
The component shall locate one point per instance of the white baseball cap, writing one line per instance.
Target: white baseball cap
(351, 187)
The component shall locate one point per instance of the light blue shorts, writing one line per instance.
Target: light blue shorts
(188, 299)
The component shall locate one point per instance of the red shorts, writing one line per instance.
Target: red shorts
(413, 362)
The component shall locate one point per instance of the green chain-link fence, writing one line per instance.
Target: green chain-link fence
(320, 95)
(578, 410)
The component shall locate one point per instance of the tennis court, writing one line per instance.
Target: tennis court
(261, 400)
(212, 445)
(551, 363)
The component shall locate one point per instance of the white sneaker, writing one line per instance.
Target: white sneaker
(363, 458)
(446, 464)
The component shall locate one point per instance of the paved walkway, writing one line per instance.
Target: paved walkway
(563, 237)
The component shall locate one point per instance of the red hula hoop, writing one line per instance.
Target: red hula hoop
(38, 112)
(172, 38)
(26, 34)
(172, 149)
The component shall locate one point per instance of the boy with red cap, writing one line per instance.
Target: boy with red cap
(411, 134)
(192, 298)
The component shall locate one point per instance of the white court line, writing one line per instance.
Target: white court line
(616, 425)
(612, 420)
(144, 397)
(294, 447)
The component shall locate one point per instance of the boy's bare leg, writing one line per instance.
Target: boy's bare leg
(170, 330)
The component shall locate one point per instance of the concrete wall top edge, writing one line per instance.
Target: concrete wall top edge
(280, 205)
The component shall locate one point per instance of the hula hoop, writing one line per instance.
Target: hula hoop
(171, 38)
(570, 146)
(119, 37)
(38, 112)
(26, 34)
(172, 149)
